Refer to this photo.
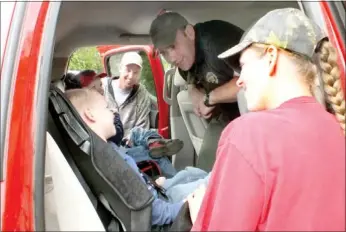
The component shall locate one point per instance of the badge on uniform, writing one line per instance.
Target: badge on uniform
(211, 78)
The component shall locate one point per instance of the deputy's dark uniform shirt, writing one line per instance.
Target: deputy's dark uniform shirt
(209, 72)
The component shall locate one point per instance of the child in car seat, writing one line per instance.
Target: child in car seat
(95, 112)
(141, 144)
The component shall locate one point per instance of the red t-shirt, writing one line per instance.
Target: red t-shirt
(277, 170)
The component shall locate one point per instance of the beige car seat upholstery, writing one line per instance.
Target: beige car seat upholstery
(195, 125)
(67, 206)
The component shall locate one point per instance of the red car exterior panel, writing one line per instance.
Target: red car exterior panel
(18, 211)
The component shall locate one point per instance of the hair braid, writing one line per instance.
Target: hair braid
(331, 81)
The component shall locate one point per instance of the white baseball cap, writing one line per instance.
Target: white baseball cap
(131, 58)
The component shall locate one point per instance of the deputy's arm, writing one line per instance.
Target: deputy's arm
(225, 93)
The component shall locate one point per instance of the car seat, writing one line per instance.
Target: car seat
(103, 173)
(195, 125)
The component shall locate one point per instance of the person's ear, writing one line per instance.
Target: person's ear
(272, 54)
(190, 32)
(88, 114)
(239, 81)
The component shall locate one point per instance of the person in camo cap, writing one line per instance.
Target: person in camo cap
(212, 88)
(280, 167)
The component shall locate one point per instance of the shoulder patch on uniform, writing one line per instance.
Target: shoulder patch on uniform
(211, 78)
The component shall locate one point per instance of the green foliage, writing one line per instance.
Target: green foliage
(89, 58)
(147, 78)
(165, 64)
(86, 58)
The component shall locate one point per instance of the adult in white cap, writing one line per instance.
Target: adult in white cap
(130, 68)
(127, 95)
(133, 102)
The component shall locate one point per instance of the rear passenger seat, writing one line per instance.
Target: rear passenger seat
(195, 125)
(120, 206)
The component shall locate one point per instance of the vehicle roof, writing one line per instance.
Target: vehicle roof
(82, 24)
(95, 23)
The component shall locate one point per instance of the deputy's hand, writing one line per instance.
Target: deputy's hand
(204, 110)
(196, 97)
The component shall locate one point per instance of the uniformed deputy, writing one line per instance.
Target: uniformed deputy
(211, 86)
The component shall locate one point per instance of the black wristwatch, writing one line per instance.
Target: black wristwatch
(206, 100)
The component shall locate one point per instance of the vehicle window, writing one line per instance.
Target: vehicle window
(85, 58)
(147, 78)
(113, 64)
(166, 66)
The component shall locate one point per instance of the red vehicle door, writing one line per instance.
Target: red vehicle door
(152, 77)
(25, 79)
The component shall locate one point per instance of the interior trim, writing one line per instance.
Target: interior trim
(47, 50)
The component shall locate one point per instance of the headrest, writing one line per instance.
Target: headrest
(59, 84)
(178, 79)
(70, 119)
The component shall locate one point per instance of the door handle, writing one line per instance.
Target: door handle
(168, 79)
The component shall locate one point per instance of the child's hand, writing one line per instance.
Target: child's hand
(160, 181)
(195, 201)
(129, 142)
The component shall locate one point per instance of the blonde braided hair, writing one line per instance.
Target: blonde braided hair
(330, 72)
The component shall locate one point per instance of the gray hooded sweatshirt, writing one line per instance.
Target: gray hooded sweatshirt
(134, 112)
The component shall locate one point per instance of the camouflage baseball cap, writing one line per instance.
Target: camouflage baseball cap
(287, 28)
(163, 29)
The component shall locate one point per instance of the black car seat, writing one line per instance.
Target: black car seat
(121, 199)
